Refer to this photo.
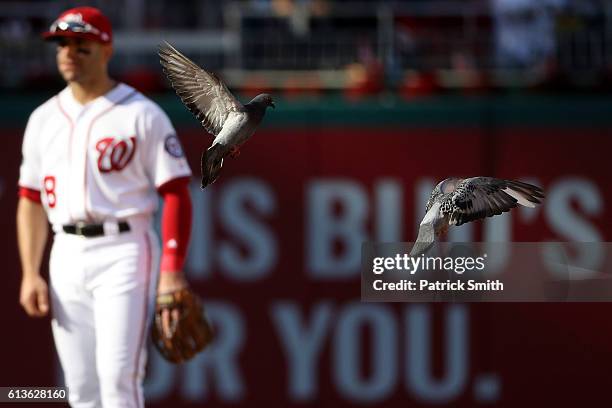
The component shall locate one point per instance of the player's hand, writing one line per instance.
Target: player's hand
(34, 296)
(170, 282)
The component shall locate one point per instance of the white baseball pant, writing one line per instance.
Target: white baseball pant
(103, 293)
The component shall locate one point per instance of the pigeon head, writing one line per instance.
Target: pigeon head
(263, 100)
(448, 185)
(443, 188)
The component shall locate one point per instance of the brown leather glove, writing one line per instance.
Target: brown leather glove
(186, 331)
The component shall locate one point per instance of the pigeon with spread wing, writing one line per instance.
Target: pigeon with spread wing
(455, 201)
(221, 114)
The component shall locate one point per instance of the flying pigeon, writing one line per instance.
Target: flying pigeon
(456, 201)
(221, 114)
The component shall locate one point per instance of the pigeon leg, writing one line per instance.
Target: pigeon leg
(234, 152)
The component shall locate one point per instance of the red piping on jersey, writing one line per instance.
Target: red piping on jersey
(144, 318)
(87, 213)
(30, 194)
(71, 122)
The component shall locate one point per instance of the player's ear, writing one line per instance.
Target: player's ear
(107, 50)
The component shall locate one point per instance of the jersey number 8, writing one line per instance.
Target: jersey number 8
(49, 184)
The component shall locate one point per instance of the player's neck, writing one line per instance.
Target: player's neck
(87, 92)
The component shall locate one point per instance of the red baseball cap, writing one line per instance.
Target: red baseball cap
(81, 22)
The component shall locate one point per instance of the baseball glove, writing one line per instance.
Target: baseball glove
(180, 329)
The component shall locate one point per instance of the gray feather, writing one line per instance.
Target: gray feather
(201, 91)
(211, 163)
(455, 201)
(220, 113)
(480, 197)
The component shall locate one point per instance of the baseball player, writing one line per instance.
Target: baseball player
(95, 158)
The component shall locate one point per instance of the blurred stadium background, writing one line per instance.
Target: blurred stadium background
(376, 102)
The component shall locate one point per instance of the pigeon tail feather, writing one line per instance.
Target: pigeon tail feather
(211, 163)
(427, 232)
(420, 248)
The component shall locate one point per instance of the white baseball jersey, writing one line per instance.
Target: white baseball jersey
(99, 161)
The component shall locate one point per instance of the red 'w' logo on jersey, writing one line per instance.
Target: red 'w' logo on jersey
(115, 154)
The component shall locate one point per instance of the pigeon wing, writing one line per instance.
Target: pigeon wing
(481, 197)
(204, 94)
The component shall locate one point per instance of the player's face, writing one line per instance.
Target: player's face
(81, 60)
